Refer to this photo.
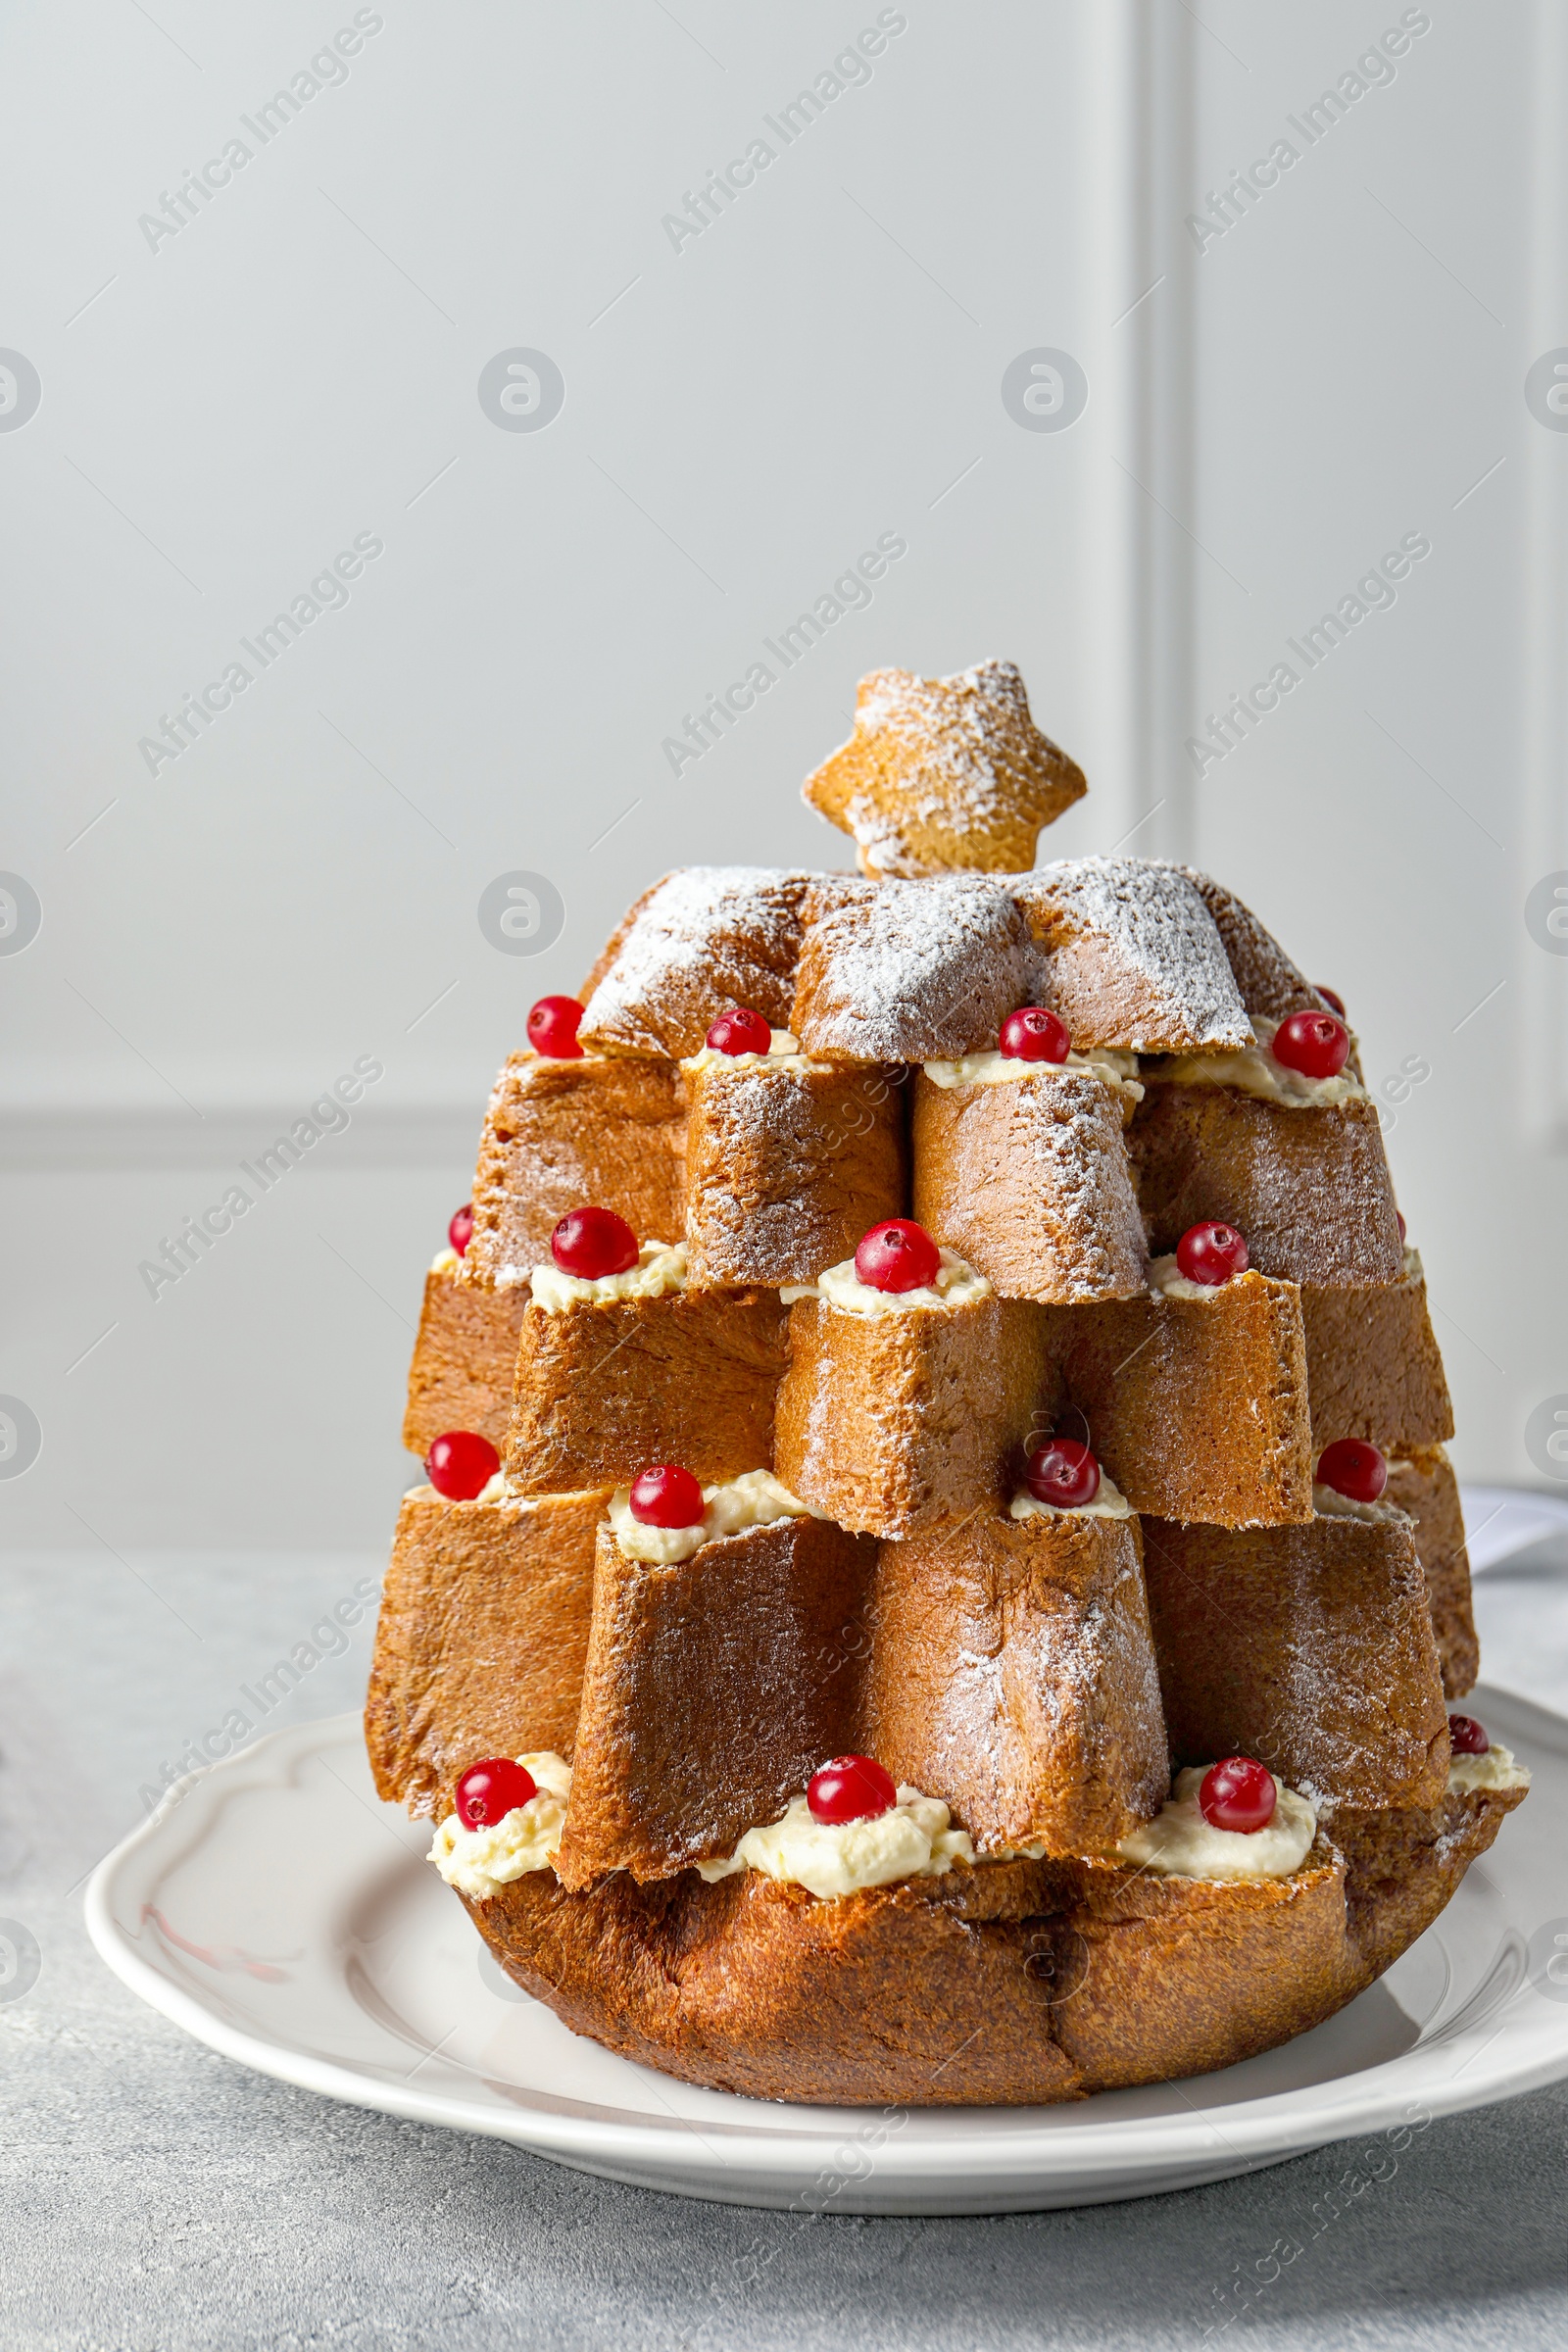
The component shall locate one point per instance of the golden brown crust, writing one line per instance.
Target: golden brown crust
(945, 772)
(1029, 1181)
(890, 1423)
(559, 1135)
(604, 1389)
(715, 1688)
(786, 1169)
(1011, 1674)
(1309, 1648)
(463, 1360)
(1422, 1482)
(482, 1635)
(908, 971)
(1013, 1984)
(1268, 981)
(703, 940)
(1197, 1407)
(1309, 1188)
(1373, 1366)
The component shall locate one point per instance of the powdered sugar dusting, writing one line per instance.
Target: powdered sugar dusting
(1166, 959)
(908, 971)
(708, 938)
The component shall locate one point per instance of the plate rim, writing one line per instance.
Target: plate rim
(1267, 2129)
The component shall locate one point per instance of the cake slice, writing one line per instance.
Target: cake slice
(1128, 957)
(482, 1637)
(559, 1132)
(464, 1357)
(896, 1415)
(789, 1160)
(703, 940)
(715, 1685)
(1195, 1398)
(1421, 1481)
(906, 971)
(1373, 1364)
(1308, 1647)
(1011, 1674)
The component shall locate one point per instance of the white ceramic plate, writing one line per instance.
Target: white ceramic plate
(278, 1910)
(1500, 1521)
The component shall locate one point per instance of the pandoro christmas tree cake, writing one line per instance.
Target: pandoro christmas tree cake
(939, 1579)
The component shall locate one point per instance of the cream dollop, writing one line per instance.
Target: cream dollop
(783, 1053)
(753, 1499)
(956, 1285)
(1255, 1071)
(1179, 1843)
(992, 1067)
(443, 1260)
(660, 1267)
(482, 1861)
(832, 1858)
(1109, 1503)
(1334, 1505)
(1167, 1281)
(1497, 1769)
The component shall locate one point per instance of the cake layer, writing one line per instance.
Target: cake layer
(893, 1422)
(715, 1688)
(1028, 1180)
(559, 1135)
(463, 1358)
(1373, 1364)
(704, 939)
(1011, 1674)
(1016, 1984)
(1128, 956)
(604, 1388)
(907, 972)
(1197, 1407)
(1267, 979)
(1423, 1484)
(787, 1168)
(1307, 1186)
(481, 1640)
(1309, 1648)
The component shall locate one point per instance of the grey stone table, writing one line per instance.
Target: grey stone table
(157, 2198)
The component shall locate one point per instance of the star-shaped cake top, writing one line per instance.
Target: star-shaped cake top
(945, 773)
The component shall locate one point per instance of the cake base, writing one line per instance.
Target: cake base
(1017, 1983)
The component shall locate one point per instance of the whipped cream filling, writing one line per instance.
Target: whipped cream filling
(1414, 1271)
(956, 1285)
(1335, 1505)
(1255, 1071)
(660, 1267)
(914, 1840)
(1497, 1769)
(1167, 1281)
(753, 1499)
(1179, 1843)
(783, 1053)
(992, 1067)
(482, 1861)
(443, 1260)
(1109, 1503)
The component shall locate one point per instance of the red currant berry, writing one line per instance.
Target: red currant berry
(850, 1788)
(1403, 1228)
(592, 1242)
(1331, 996)
(740, 1032)
(1466, 1737)
(553, 1028)
(1034, 1034)
(666, 1495)
(461, 1464)
(1211, 1255)
(1352, 1469)
(487, 1793)
(899, 1256)
(1314, 1043)
(460, 1232)
(1238, 1794)
(1062, 1472)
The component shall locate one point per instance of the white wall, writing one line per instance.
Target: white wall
(742, 416)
